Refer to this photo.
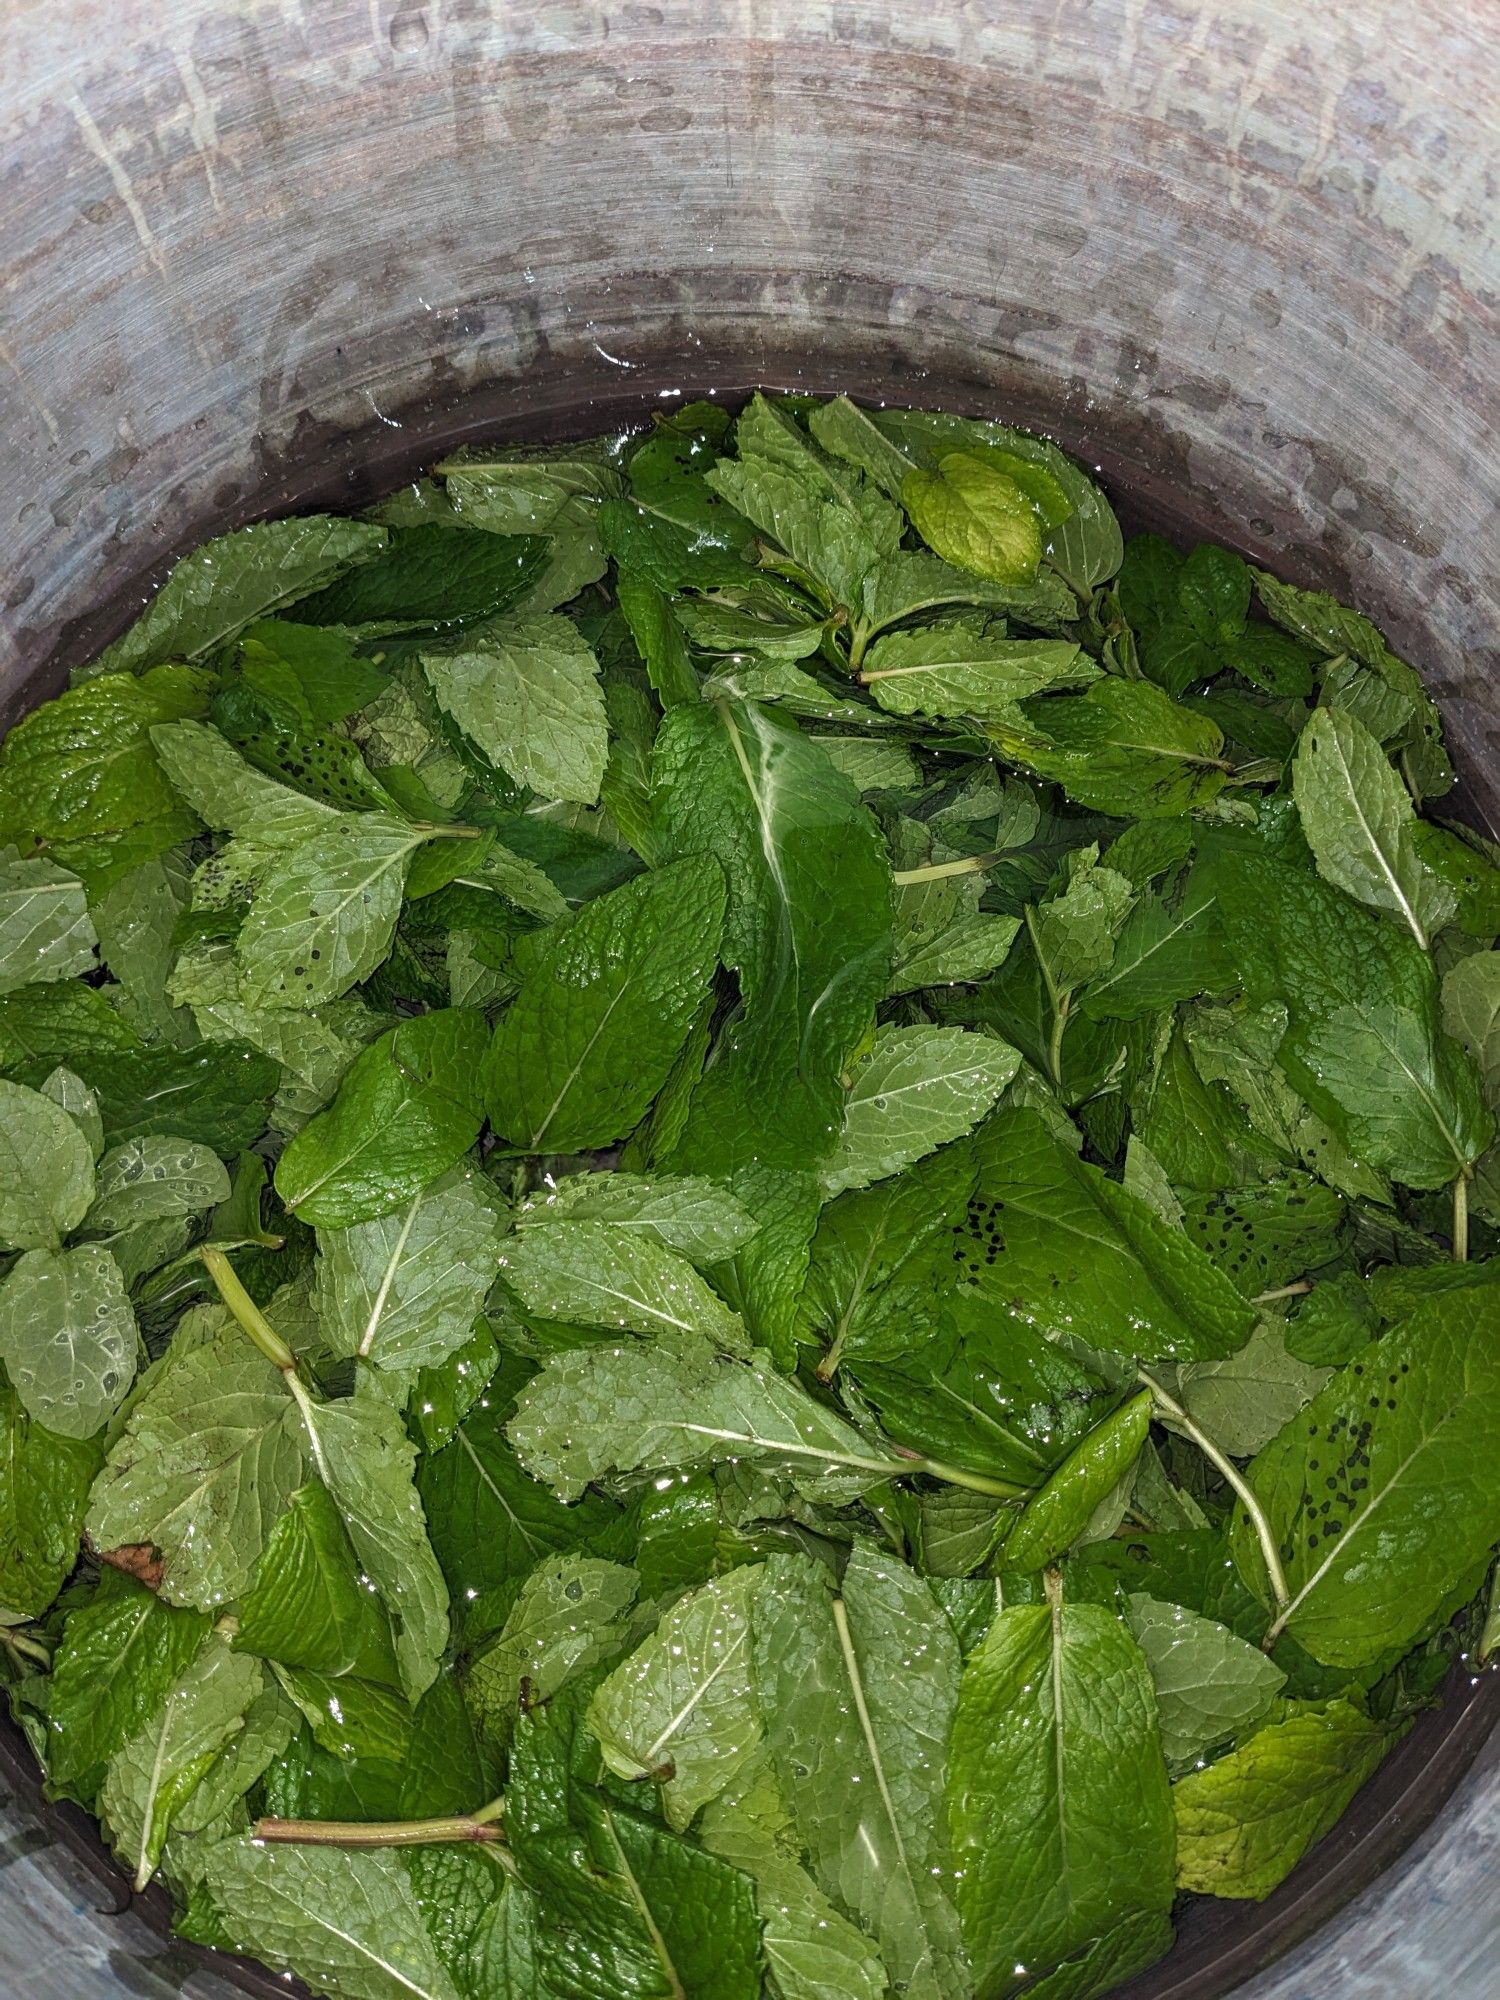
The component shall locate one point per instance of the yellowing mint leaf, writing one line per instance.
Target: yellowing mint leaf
(975, 515)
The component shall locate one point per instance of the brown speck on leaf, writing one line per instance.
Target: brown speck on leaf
(137, 1559)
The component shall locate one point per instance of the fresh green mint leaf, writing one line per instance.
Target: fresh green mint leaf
(308, 1606)
(46, 1170)
(121, 1651)
(956, 669)
(600, 1274)
(917, 1089)
(44, 1487)
(1058, 1515)
(572, 1613)
(1210, 1685)
(525, 690)
(225, 791)
(604, 1009)
(46, 931)
(407, 1110)
(144, 1180)
(697, 1218)
(68, 1336)
(323, 915)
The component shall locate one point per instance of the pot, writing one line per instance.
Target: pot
(1239, 257)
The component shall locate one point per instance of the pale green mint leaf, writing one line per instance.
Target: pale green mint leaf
(520, 882)
(46, 931)
(46, 1170)
(572, 1614)
(231, 795)
(525, 690)
(1122, 747)
(1243, 1400)
(1061, 1513)
(364, 1457)
(1386, 1487)
(957, 668)
(324, 913)
(402, 1292)
(604, 1008)
(699, 1219)
(344, 1920)
(1361, 824)
(309, 1607)
(1407, 1104)
(967, 948)
(600, 1274)
(682, 1710)
(911, 582)
(136, 918)
(917, 1089)
(1074, 934)
(807, 929)
(1471, 1011)
(858, 1694)
(1210, 1684)
(154, 1773)
(80, 1103)
(44, 1488)
(1083, 1257)
(972, 514)
(68, 1337)
(1147, 1179)
(1085, 547)
(1056, 1780)
(223, 586)
(870, 765)
(812, 1952)
(146, 1179)
(1245, 1822)
(208, 1456)
(671, 1402)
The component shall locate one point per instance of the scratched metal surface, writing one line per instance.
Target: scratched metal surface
(1240, 254)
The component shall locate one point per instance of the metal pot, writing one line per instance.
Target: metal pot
(262, 253)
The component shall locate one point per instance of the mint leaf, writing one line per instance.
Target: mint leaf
(209, 1452)
(1363, 1046)
(1059, 1514)
(344, 1920)
(46, 932)
(1077, 1254)
(120, 1653)
(1361, 826)
(213, 1097)
(1122, 747)
(598, 1274)
(1163, 954)
(1210, 1685)
(324, 912)
(68, 1337)
(1056, 1780)
(603, 1011)
(44, 1486)
(682, 1710)
(1390, 1456)
(674, 1402)
(211, 777)
(812, 1952)
(807, 928)
(402, 1292)
(220, 588)
(917, 1089)
(957, 668)
(1244, 1400)
(154, 1774)
(858, 1694)
(525, 691)
(700, 1220)
(46, 1170)
(571, 1614)
(308, 1606)
(974, 515)
(146, 1179)
(1245, 1822)
(406, 1111)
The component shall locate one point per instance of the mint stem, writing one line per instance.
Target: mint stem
(1461, 1218)
(248, 1313)
(967, 864)
(378, 1833)
(24, 1648)
(1283, 1292)
(1270, 1554)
